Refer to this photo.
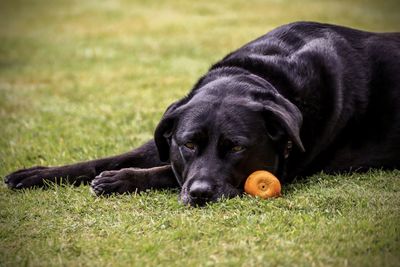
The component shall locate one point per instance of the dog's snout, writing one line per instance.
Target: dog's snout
(201, 190)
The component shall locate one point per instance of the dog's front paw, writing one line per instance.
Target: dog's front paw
(119, 182)
(26, 178)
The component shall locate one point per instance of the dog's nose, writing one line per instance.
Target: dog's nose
(201, 190)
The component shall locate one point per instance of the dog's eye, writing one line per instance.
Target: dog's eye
(237, 148)
(190, 145)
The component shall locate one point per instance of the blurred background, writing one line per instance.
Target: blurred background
(82, 79)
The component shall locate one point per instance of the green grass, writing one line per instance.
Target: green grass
(85, 79)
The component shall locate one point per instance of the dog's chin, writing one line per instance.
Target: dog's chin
(228, 192)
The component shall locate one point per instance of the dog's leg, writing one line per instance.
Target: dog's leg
(134, 180)
(145, 156)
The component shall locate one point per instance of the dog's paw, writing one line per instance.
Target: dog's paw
(118, 182)
(26, 178)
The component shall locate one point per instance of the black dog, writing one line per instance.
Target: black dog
(304, 98)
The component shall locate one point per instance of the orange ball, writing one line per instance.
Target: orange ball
(263, 184)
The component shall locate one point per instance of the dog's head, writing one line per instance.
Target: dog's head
(223, 131)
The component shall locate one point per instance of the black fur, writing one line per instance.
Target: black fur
(332, 92)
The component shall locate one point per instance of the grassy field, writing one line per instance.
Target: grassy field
(85, 79)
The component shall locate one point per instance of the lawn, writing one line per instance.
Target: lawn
(85, 79)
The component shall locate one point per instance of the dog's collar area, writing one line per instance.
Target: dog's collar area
(177, 175)
(282, 161)
(288, 149)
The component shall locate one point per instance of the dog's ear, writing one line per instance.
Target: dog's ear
(163, 132)
(281, 122)
(282, 118)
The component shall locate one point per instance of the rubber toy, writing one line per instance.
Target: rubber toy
(263, 184)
